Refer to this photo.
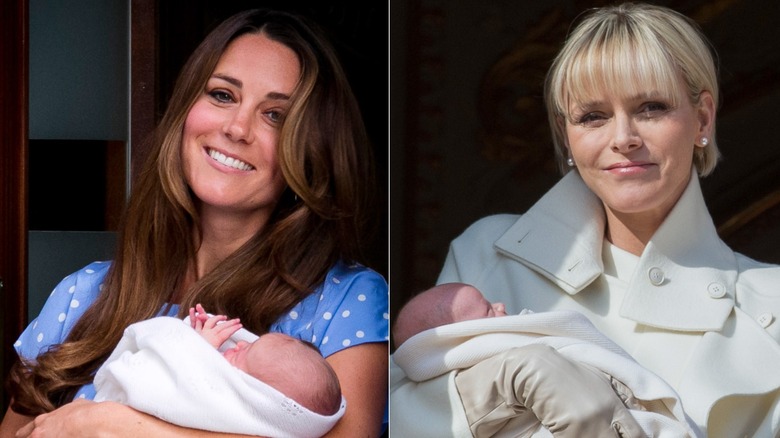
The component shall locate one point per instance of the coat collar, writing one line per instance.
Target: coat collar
(685, 278)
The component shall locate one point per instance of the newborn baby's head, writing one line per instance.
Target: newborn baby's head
(443, 304)
(291, 366)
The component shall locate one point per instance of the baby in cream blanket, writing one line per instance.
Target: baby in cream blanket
(452, 328)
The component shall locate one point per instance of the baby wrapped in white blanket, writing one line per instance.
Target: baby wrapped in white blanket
(165, 368)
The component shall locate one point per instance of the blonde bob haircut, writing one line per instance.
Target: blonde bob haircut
(632, 49)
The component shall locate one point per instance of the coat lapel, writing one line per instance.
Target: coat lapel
(568, 222)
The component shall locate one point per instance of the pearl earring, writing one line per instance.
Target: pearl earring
(705, 141)
(570, 161)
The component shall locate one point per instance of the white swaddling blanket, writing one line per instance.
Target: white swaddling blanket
(438, 353)
(163, 367)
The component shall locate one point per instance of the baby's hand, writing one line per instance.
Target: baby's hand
(215, 329)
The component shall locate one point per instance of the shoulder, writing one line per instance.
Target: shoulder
(349, 308)
(473, 251)
(356, 301)
(758, 293)
(488, 229)
(476, 242)
(758, 279)
(66, 304)
(354, 284)
(350, 278)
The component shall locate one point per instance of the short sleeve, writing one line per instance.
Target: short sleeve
(65, 305)
(350, 308)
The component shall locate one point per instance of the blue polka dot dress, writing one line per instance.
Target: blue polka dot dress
(350, 308)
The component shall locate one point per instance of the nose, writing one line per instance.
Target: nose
(625, 137)
(238, 127)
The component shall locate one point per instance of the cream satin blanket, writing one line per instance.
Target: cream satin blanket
(164, 368)
(425, 403)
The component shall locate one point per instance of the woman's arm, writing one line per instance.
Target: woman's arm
(85, 419)
(11, 423)
(362, 372)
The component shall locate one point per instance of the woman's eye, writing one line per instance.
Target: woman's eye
(652, 108)
(275, 116)
(590, 119)
(221, 96)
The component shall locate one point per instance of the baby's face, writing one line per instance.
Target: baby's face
(471, 304)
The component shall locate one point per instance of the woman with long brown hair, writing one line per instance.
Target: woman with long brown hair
(252, 202)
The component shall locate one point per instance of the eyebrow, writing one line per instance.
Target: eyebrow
(274, 95)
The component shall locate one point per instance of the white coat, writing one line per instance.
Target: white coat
(687, 281)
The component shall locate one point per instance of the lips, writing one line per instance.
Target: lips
(629, 168)
(628, 165)
(223, 159)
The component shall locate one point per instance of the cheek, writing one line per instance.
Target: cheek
(576, 141)
(199, 120)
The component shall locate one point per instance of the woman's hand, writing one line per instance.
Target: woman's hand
(86, 419)
(74, 419)
(568, 398)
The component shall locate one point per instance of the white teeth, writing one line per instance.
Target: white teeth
(228, 161)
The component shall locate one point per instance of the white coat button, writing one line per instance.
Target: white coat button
(765, 319)
(716, 290)
(656, 276)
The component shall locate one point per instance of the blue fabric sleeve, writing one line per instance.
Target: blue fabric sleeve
(350, 308)
(66, 304)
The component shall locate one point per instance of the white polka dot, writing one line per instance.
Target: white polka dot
(314, 339)
(386, 315)
(74, 303)
(82, 395)
(324, 340)
(35, 324)
(346, 342)
(308, 326)
(345, 314)
(362, 297)
(18, 344)
(360, 334)
(40, 337)
(90, 271)
(336, 280)
(327, 316)
(61, 317)
(294, 314)
(72, 289)
(322, 297)
(101, 287)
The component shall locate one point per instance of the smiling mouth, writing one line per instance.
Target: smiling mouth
(629, 165)
(229, 161)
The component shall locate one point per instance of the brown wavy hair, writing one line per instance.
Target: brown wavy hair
(325, 158)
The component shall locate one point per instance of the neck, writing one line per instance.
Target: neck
(631, 232)
(222, 235)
